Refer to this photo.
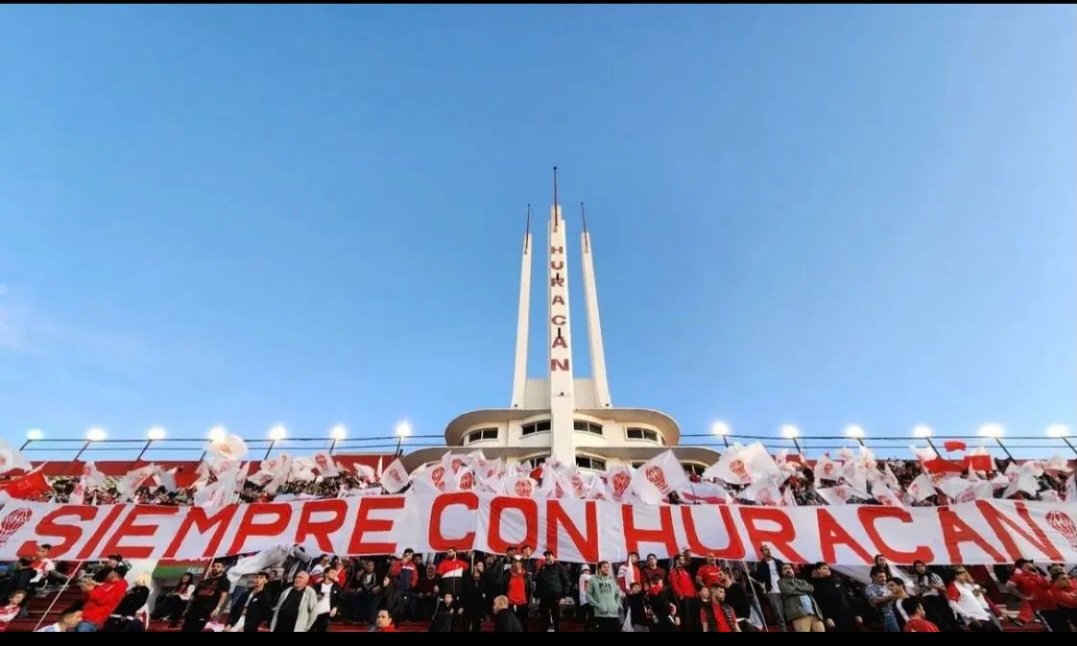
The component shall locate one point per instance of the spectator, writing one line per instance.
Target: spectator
(932, 592)
(1029, 584)
(799, 606)
(720, 614)
(968, 603)
(425, 593)
(328, 595)
(518, 591)
(101, 599)
(451, 573)
(663, 611)
(208, 601)
(917, 622)
(384, 622)
(652, 570)
(1064, 594)
(172, 605)
(123, 618)
(896, 588)
(638, 614)
(253, 607)
(709, 573)
(101, 571)
(880, 597)
(604, 596)
(11, 611)
(296, 610)
(446, 614)
(505, 621)
(368, 594)
(683, 589)
(881, 562)
(585, 615)
(551, 584)
(833, 600)
(69, 619)
(474, 603)
(768, 572)
(19, 579)
(629, 573)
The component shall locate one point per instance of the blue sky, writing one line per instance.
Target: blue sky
(312, 215)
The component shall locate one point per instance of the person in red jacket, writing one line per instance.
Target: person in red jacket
(1064, 594)
(101, 599)
(917, 621)
(384, 622)
(684, 594)
(518, 590)
(709, 573)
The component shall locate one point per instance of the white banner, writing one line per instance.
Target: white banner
(984, 532)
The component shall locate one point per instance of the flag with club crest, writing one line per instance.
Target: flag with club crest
(395, 477)
(658, 477)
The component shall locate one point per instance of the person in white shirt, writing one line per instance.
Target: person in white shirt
(968, 603)
(585, 608)
(68, 620)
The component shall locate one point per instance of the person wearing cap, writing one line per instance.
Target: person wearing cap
(585, 613)
(551, 585)
(101, 599)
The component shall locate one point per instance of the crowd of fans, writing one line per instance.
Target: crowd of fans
(521, 591)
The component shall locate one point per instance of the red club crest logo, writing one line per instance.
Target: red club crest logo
(1061, 523)
(467, 482)
(456, 464)
(656, 476)
(621, 480)
(523, 488)
(577, 484)
(13, 522)
(738, 468)
(437, 476)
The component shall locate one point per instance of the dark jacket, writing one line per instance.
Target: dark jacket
(832, 598)
(259, 609)
(761, 573)
(505, 621)
(444, 619)
(473, 596)
(552, 582)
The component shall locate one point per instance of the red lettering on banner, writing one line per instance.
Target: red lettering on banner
(558, 364)
(559, 342)
(733, 552)
(956, 531)
(996, 518)
(321, 529)
(69, 534)
(831, 534)
(364, 524)
(202, 522)
(780, 540)
(556, 518)
(663, 535)
(249, 527)
(498, 506)
(557, 300)
(557, 250)
(131, 528)
(438, 541)
(869, 514)
(89, 549)
(558, 319)
(557, 264)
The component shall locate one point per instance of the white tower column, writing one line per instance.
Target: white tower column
(562, 395)
(594, 323)
(519, 375)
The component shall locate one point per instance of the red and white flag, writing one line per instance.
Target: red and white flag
(883, 494)
(129, 484)
(618, 481)
(827, 470)
(12, 460)
(921, 488)
(231, 448)
(326, 465)
(658, 477)
(835, 495)
(395, 477)
(1071, 489)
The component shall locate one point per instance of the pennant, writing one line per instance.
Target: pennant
(27, 487)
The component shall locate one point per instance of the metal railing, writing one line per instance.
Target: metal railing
(194, 449)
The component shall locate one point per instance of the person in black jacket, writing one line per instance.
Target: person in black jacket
(551, 585)
(254, 605)
(833, 599)
(474, 600)
(505, 620)
(445, 616)
(122, 619)
(767, 573)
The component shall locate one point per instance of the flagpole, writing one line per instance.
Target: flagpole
(60, 593)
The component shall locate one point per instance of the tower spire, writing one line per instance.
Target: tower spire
(556, 208)
(519, 373)
(594, 323)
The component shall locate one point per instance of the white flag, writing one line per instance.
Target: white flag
(12, 460)
(1071, 489)
(325, 464)
(230, 448)
(658, 477)
(921, 488)
(395, 478)
(884, 495)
